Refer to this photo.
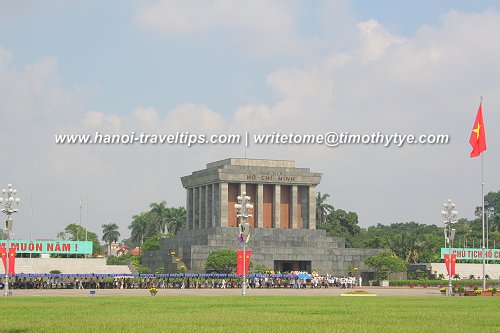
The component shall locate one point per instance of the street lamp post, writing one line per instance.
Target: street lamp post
(242, 208)
(7, 201)
(450, 217)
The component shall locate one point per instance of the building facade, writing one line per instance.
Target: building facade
(283, 196)
(283, 223)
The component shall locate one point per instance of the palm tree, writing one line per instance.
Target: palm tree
(322, 208)
(160, 212)
(176, 220)
(110, 234)
(139, 227)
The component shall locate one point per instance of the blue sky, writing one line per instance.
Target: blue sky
(214, 66)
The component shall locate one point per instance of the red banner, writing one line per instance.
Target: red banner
(239, 256)
(453, 262)
(3, 253)
(12, 259)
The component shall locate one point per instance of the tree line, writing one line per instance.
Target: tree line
(409, 241)
(160, 221)
(147, 228)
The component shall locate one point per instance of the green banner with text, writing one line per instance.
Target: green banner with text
(61, 247)
(472, 254)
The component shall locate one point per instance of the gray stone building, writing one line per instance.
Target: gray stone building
(283, 224)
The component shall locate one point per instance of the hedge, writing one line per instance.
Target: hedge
(436, 283)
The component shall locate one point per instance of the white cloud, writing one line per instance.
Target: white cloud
(34, 105)
(194, 117)
(181, 17)
(375, 40)
(99, 120)
(426, 84)
(36, 93)
(311, 83)
(337, 61)
(268, 25)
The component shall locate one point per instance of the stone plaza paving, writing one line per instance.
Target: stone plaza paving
(386, 291)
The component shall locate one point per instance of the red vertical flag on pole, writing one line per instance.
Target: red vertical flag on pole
(12, 261)
(239, 262)
(3, 253)
(447, 262)
(478, 136)
(453, 262)
(239, 256)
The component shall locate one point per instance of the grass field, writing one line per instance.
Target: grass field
(249, 314)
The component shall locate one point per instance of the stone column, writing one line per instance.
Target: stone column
(196, 208)
(189, 207)
(201, 208)
(277, 206)
(223, 193)
(312, 207)
(208, 206)
(216, 205)
(293, 205)
(259, 219)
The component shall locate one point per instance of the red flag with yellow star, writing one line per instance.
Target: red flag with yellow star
(478, 136)
(453, 263)
(240, 267)
(12, 261)
(3, 254)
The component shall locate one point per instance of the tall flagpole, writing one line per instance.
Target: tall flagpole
(478, 143)
(81, 203)
(31, 219)
(86, 218)
(482, 198)
(482, 214)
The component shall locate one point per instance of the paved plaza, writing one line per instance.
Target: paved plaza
(387, 291)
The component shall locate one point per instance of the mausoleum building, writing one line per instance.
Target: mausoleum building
(282, 227)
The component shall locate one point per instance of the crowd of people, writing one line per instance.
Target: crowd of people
(298, 280)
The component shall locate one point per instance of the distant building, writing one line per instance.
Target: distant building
(283, 226)
(117, 250)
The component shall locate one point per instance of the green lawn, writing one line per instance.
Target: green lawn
(249, 314)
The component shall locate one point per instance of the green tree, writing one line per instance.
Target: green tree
(130, 242)
(407, 246)
(410, 241)
(75, 232)
(125, 258)
(110, 234)
(160, 214)
(176, 220)
(385, 263)
(153, 243)
(160, 218)
(322, 208)
(491, 210)
(491, 204)
(340, 223)
(221, 261)
(139, 227)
